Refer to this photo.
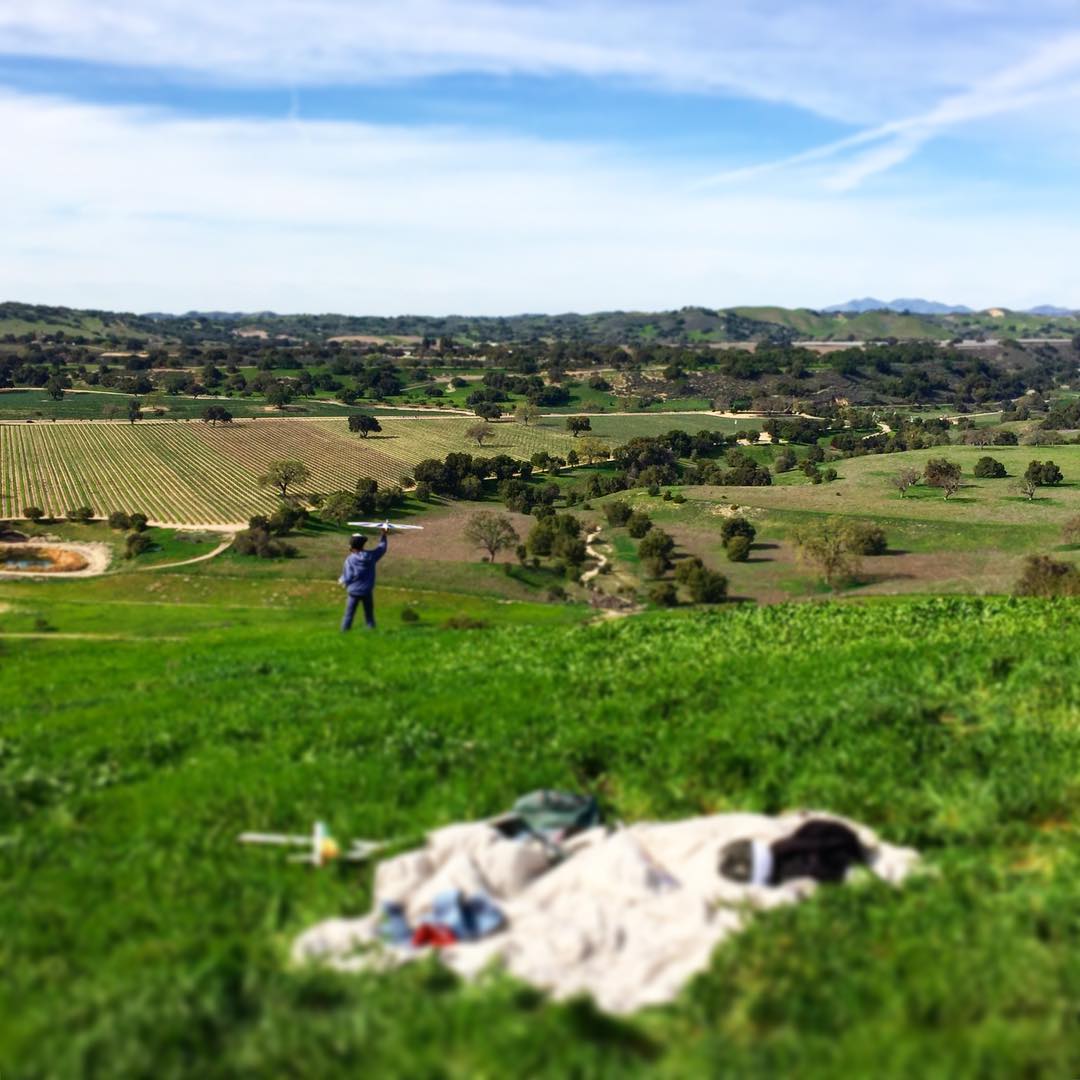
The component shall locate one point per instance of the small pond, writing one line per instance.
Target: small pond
(33, 559)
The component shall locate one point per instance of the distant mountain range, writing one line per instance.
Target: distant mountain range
(928, 307)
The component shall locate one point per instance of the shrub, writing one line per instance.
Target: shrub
(81, 514)
(1043, 576)
(664, 594)
(738, 549)
(119, 520)
(704, 585)
(988, 468)
(737, 526)
(638, 524)
(138, 522)
(657, 547)
(136, 543)
(260, 544)
(866, 538)
(785, 461)
(285, 519)
(33, 513)
(409, 615)
(424, 492)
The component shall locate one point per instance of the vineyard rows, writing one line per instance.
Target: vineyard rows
(199, 474)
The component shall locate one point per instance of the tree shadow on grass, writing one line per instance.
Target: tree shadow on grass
(862, 580)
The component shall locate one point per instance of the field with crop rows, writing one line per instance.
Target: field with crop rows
(194, 473)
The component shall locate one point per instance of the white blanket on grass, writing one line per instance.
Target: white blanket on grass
(628, 918)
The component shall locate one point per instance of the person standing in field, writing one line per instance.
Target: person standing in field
(358, 577)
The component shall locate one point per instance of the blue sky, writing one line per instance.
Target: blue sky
(498, 157)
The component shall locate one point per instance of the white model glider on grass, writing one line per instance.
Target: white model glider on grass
(382, 525)
(322, 847)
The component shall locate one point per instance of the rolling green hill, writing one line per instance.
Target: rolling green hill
(688, 324)
(137, 938)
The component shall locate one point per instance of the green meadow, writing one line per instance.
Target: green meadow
(149, 718)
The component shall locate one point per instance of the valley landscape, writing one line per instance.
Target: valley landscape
(478, 602)
(190, 686)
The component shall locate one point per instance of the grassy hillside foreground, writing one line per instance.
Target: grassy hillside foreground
(137, 938)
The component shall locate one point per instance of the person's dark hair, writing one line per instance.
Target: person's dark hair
(357, 542)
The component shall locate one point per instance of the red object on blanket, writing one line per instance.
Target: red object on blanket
(432, 934)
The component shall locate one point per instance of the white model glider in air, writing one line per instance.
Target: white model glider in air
(382, 525)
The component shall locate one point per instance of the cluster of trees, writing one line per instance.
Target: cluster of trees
(656, 549)
(206, 358)
(948, 476)
(738, 470)
(367, 499)
(557, 536)
(461, 475)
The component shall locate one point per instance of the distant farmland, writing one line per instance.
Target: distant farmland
(193, 473)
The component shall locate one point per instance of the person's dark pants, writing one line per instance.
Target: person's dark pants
(350, 610)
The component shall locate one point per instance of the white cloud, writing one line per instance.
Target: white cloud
(1047, 78)
(144, 210)
(844, 58)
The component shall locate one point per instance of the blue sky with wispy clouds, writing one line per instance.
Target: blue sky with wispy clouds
(537, 155)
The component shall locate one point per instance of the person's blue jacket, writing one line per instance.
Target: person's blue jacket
(358, 575)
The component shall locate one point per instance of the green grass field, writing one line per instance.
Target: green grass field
(137, 938)
(863, 488)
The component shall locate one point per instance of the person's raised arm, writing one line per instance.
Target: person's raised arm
(380, 549)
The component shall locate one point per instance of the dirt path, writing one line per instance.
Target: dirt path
(601, 559)
(227, 542)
